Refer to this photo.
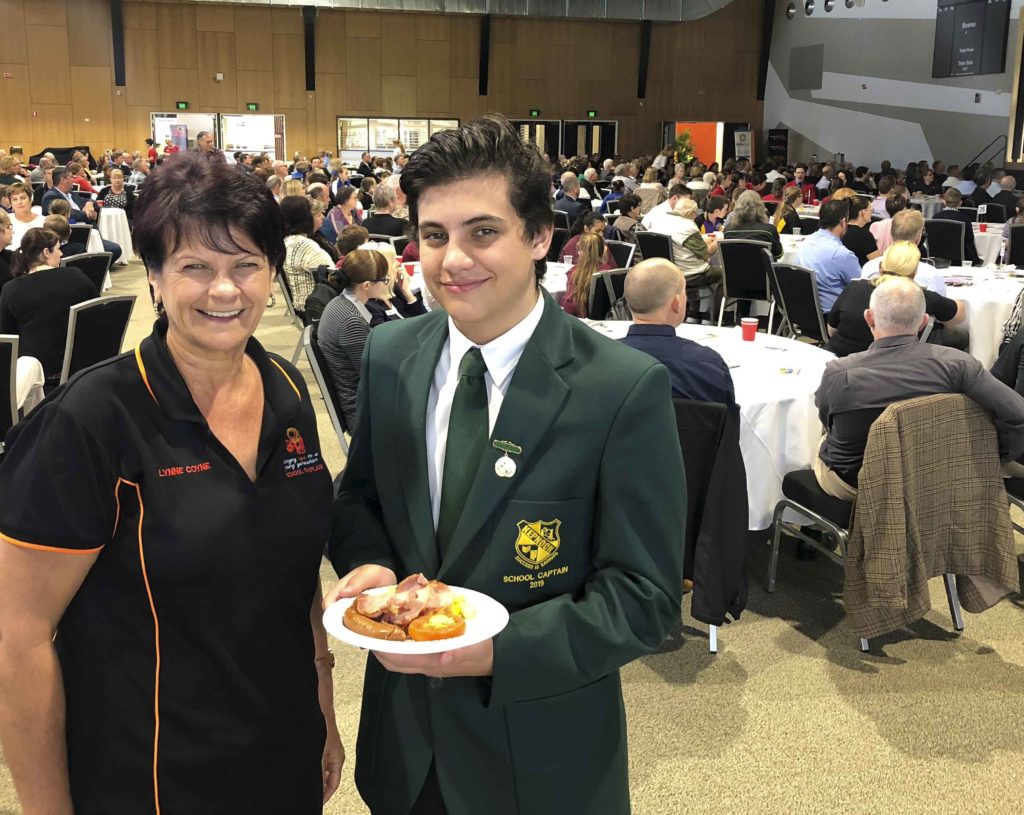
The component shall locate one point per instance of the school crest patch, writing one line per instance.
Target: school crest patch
(538, 542)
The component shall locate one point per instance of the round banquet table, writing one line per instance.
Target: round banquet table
(775, 380)
(989, 243)
(113, 224)
(930, 204)
(988, 297)
(790, 246)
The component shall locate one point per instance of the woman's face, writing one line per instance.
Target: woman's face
(6, 232)
(719, 213)
(596, 228)
(117, 181)
(634, 213)
(213, 300)
(51, 256)
(21, 204)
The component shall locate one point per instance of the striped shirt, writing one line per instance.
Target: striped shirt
(302, 256)
(341, 335)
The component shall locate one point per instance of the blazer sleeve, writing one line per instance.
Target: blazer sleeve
(632, 599)
(358, 536)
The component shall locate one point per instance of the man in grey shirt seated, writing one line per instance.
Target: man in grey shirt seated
(856, 389)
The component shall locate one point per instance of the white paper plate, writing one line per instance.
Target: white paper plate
(490, 618)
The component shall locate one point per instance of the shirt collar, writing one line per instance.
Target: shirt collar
(501, 355)
(652, 330)
(894, 342)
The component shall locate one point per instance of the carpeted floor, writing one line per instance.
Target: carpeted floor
(789, 717)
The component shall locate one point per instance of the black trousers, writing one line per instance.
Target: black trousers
(430, 801)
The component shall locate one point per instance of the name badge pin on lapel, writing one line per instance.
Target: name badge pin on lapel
(505, 467)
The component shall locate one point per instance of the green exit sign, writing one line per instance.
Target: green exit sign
(534, 113)
(182, 105)
(591, 114)
(252, 106)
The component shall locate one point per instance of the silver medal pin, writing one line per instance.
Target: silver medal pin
(505, 467)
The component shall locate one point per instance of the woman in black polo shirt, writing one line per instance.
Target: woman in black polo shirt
(165, 513)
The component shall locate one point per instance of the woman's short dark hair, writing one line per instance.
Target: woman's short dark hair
(857, 205)
(617, 185)
(489, 145)
(189, 198)
(587, 219)
(344, 193)
(368, 183)
(895, 203)
(628, 202)
(32, 245)
(716, 202)
(297, 214)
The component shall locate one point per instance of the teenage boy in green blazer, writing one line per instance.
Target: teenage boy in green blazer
(504, 446)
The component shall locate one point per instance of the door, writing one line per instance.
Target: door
(590, 137)
(545, 133)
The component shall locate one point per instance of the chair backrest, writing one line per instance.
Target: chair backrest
(809, 224)
(383, 239)
(600, 300)
(80, 234)
(558, 241)
(972, 211)
(613, 206)
(400, 244)
(1015, 248)
(94, 265)
(610, 217)
(770, 207)
(130, 188)
(946, 239)
(622, 251)
(994, 214)
(561, 218)
(318, 364)
(286, 293)
(654, 245)
(8, 375)
(96, 330)
(746, 266)
(796, 293)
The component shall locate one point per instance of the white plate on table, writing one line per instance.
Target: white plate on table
(490, 618)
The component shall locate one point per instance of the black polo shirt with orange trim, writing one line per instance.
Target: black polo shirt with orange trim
(187, 653)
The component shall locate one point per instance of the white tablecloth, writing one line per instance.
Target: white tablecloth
(930, 204)
(775, 380)
(790, 246)
(988, 301)
(114, 227)
(989, 243)
(29, 378)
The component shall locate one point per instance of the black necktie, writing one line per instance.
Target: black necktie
(467, 441)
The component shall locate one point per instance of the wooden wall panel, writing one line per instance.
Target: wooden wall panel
(90, 100)
(49, 74)
(363, 24)
(289, 71)
(255, 86)
(51, 126)
(399, 96)
(142, 67)
(139, 15)
(464, 54)
(217, 55)
(16, 121)
(176, 35)
(287, 20)
(432, 58)
(331, 102)
(13, 42)
(178, 85)
(364, 73)
(253, 39)
(432, 26)
(91, 41)
(215, 18)
(46, 12)
(399, 60)
(296, 137)
(330, 42)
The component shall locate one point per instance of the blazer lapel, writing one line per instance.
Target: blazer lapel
(535, 398)
(410, 432)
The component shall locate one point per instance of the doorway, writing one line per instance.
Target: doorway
(545, 133)
(590, 137)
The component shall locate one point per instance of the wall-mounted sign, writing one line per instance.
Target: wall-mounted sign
(534, 113)
(591, 114)
(252, 106)
(181, 105)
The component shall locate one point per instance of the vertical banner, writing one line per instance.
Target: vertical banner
(778, 145)
(743, 139)
(179, 135)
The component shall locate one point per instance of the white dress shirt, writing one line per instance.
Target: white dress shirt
(501, 356)
(654, 214)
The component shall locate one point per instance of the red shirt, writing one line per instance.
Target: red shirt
(171, 149)
(718, 191)
(807, 191)
(83, 184)
(152, 155)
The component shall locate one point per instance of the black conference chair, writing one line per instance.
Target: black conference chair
(94, 265)
(561, 218)
(96, 330)
(298, 318)
(993, 214)
(946, 240)
(972, 211)
(622, 252)
(809, 224)
(795, 289)
(400, 244)
(8, 374)
(558, 240)
(746, 269)
(1015, 247)
(606, 289)
(770, 207)
(702, 432)
(654, 245)
(613, 206)
(80, 234)
(319, 366)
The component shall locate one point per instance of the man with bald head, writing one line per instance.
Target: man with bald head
(1007, 195)
(655, 292)
(856, 389)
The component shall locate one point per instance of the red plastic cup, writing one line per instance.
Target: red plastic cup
(749, 327)
(983, 227)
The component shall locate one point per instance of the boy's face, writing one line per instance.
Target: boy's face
(476, 257)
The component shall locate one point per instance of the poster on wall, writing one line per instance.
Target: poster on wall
(248, 133)
(743, 139)
(179, 136)
(778, 145)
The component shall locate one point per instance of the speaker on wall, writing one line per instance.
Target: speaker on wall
(645, 54)
(309, 35)
(117, 31)
(485, 52)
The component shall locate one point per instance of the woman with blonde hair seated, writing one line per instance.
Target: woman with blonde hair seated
(650, 191)
(849, 332)
(577, 281)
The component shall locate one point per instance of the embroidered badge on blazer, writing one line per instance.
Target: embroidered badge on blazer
(538, 542)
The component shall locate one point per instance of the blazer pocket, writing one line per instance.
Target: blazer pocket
(539, 550)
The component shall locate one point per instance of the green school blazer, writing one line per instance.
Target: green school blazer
(583, 545)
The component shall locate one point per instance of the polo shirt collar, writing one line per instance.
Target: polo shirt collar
(894, 342)
(167, 387)
(651, 330)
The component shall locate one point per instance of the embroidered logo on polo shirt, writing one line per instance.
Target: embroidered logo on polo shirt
(300, 462)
